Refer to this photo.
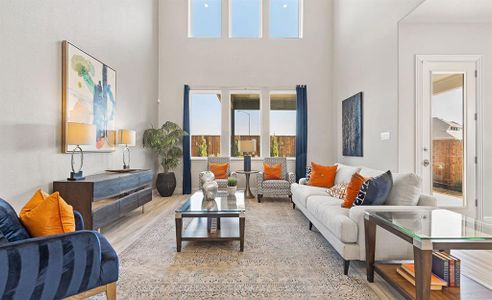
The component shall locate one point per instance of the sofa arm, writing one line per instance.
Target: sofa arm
(74, 257)
(292, 177)
(79, 220)
(303, 181)
(427, 200)
(259, 183)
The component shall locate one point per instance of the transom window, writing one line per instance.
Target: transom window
(245, 18)
(285, 18)
(205, 18)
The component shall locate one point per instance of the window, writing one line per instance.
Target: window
(283, 124)
(285, 18)
(245, 18)
(245, 124)
(205, 124)
(205, 18)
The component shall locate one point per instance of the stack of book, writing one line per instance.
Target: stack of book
(446, 267)
(408, 272)
(445, 271)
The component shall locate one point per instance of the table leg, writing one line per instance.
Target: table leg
(247, 193)
(218, 223)
(370, 235)
(179, 231)
(242, 224)
(423, 273)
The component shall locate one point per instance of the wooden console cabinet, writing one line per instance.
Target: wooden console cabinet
(105, 197)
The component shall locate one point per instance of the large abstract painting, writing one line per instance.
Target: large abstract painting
(89, 96)
(352, 126)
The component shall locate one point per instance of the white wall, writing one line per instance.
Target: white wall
(443, 39)
(365, 59)
(252, 63)
(121, 33)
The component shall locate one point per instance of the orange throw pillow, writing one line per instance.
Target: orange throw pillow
(219, 170)
(272, 172)
(353, 189)
(322, 176)
(46, 215)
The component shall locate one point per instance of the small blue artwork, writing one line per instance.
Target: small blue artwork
(352, 126)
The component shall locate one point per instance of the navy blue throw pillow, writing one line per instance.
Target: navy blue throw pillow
(375, 191)
(3, 240)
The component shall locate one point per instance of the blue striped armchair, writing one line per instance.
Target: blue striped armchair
(80, 263)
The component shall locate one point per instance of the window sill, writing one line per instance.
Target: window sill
(239, 158)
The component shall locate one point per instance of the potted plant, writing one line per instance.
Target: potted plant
(231, 186)
(165, 142)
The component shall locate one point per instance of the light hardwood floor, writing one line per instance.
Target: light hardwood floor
(128, 229)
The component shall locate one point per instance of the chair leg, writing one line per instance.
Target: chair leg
(346, 265)
(111, 291)
(259, 196)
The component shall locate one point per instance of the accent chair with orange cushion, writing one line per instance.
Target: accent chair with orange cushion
(322, 176)
(353, 189)
(218, 165)
(63, 265)
(272, 184)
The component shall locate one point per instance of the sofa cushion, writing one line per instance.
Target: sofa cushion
(406, 189)
(276, 184)
(10, 225)
(328, 212)
(301, 192)
(367, 172)
(344, 173)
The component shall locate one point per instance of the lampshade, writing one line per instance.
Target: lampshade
(127, 137)
(111, 136)
(247, 146)
(81, 134)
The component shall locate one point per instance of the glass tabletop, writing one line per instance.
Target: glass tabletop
(435, 224)
(223, 203)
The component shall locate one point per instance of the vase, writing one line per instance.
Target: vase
(166, 184)
(231, 190)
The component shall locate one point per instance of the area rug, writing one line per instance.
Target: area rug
(282, 259)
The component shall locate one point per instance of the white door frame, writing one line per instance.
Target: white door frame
(419, 100)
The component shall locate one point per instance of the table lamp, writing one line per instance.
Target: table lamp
(79, 134)
(247, 147)
(127, 138)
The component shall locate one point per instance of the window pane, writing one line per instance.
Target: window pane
(205, 125)
(245, 18)
(206, 18)
(245, 125)
(283, 125)
(284, 18)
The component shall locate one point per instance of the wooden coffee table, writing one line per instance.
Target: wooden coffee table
(222, 219)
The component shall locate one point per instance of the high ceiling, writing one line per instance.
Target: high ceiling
(452, 11)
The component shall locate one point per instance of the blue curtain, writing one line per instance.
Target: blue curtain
(301, 132)
(186, 142)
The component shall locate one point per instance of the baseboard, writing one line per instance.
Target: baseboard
(477, 265)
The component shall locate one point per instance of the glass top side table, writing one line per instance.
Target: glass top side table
(247, 191)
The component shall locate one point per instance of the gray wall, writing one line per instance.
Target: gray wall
(121, 33)
(251, 63)
(366, 59)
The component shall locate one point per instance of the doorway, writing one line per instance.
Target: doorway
(447, 130)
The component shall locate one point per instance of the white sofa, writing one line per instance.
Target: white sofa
(344, 227)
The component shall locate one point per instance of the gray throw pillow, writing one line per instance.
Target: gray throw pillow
(406, 189)
(375, 191)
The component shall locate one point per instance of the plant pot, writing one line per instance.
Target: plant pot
(166, 184)
(231, 190)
